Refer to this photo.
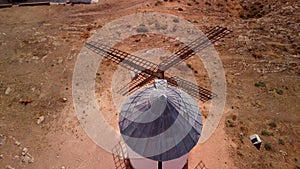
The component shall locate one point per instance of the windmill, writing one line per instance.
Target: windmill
(160, 95)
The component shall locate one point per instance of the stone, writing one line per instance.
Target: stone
(60, 60)
(283, 152)
(64, 99)
(1, 156)
(63, 167)
(2, 140)
(17, 143)
(24, 151)
(27, 158)
(7, 91)
(9, 167)
(40, 120)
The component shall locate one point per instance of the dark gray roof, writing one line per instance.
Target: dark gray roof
(160, 122)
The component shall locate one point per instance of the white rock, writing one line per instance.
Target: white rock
(24, 151)
(26, 159)
(7, 91)
(55, 43)
(17, 143)
(2, 140)
(43, 40)
(1, 156)
(65, 99)
(40, 120)
(63, 167)
(60, 60)
(283, 152)
(9, 167)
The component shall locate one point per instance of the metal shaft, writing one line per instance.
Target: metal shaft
(159, 165)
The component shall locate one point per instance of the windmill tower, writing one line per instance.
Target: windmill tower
(161, 122)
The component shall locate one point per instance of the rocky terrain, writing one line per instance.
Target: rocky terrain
(39, 47)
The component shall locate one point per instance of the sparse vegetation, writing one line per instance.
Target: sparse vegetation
(279, 91)
(260, 84)
(158, 2)
(265, 133)
(176, 20)
(234, 117)
(142, 29)
(281, 142)
(265, 49)
(252, 10)
(272, 124)
(229, 123)
(207, 3)
(268, 146)
(180, 9)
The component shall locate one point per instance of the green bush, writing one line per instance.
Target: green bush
(229, 123)
(142, 29)
(272, 124)
(176, 20)
(260, 84)
(279, 91)
(280, 141)
(268, 147)
(265, 133)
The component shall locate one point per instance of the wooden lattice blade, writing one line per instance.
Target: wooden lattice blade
(137, 82)
(191, 88)
(130, 62)
(199, 44)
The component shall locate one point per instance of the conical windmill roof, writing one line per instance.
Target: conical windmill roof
(160, 122)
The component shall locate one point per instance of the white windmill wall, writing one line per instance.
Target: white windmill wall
(144, 163)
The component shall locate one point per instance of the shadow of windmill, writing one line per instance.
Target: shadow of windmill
(120, 156)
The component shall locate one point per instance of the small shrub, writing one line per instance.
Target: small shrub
(158, 3)
(229, 123)
(189, 4)
(279, 91)
(220, 4)
(176, 20)
(265, 133)
(189, 65)
(260, 84)
(234, 117)
(281, 142)
(268, 146)
(272, 124)
(180, 9)
(177, 44)
(142, 29)
(207, 3)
